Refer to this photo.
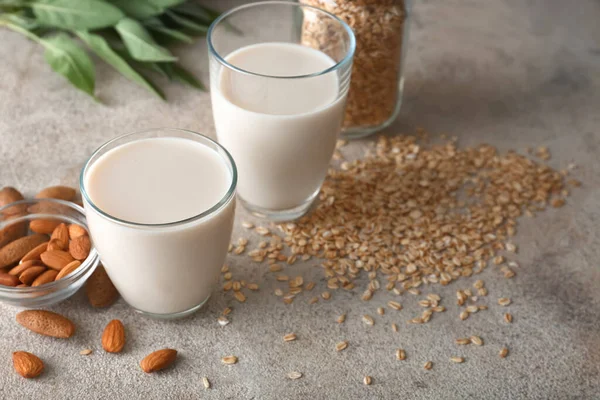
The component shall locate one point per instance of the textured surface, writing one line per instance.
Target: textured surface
(510, 73)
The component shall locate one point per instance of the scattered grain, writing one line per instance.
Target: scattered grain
(229, 360)
(290, 337)
(341, 345)
(503, 352)
(367, 380)
(457, 360)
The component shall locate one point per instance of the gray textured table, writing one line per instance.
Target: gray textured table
(510, 73)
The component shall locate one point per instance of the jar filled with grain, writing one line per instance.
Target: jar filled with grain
(381, 28)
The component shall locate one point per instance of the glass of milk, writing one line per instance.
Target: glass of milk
(160, 208)
(278, 102)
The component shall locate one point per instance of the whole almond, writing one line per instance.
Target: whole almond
(34, 254)
(46, 323)
(70, 267)
(45, 226)
(16, 271)
(56, 259)
(54, 244)
(76, 231)
(46, 277)
(158, 360)
(27, 365)
(8, 280)
(12, 232)
(80, 247)
(100, 290)
(9, 195)
(113, 337)
(15, 250)
(30, 274)
(57, 192)
(61, 233)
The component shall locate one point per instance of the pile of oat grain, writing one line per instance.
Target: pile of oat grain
(416, 214)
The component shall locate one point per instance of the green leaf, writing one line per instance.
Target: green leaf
(140, 44)
(100, 46)
(138, 9)
(156, 25)
(187, 23)
(164, 69)
(21, 20)
(71, 61)
(166, 3)
(195, 11)
(76, 14)
(186, 77)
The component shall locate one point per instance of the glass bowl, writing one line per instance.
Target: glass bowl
(23, 212)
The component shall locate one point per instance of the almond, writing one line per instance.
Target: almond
(30, 274)
(46, 323)
(34, 254)
(80, 247)
(9, 195)
(45, 226)
(57, 192)
(46, 277)
(8, 280)
(14, 251)
(76, 230)
(27, 365)
(12, 232)
(113, 337)
(158, 360)
(54, 244)
(16, 271)
(70, 267)
(61, 233)
(56, 259)
(100, 290)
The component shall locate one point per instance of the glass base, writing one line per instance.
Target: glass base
(364, 131)
(289, 214)
(181, 314)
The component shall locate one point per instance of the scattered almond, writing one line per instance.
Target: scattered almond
(113, 337)
(46, 323)
(70, 267)
(80, 247)
(14, 231)
(158, 360)
(34, 254)
(27, 365)
(57, 192)
(14, 251)
(100, 290)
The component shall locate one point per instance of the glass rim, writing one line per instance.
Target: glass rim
(225, 155)
(344, 61)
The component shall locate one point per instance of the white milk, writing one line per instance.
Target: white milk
(281, 132)
(161, 270)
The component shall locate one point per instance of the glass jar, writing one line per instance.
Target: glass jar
(381, 30)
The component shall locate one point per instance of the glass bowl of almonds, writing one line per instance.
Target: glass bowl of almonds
(46, 254)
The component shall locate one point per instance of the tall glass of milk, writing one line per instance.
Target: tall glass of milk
(160, 206)
(278, 101)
